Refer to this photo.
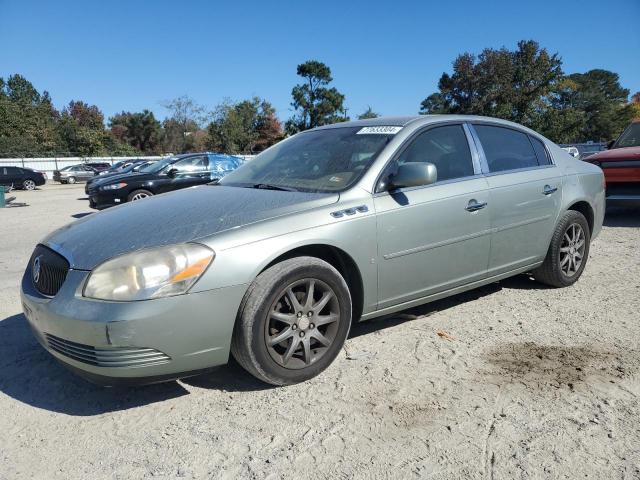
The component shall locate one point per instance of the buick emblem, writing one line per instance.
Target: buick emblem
(36, 269)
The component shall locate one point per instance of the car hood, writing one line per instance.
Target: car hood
(616, 154)
(110, 175)
(176, 217)
(116, 177)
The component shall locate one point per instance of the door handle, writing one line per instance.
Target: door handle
(548, 190)
(474, 206)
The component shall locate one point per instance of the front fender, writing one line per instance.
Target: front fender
(241, 264)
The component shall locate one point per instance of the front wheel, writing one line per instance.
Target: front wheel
(139, 195)
(293, 321)
(568, 252)
(71, 180)
(29, 184)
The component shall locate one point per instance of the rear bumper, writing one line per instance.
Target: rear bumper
(148, 341)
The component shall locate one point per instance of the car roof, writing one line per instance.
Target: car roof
(419, 119)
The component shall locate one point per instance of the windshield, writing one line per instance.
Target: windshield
(158, 166)
(630, 137)
(328, 160)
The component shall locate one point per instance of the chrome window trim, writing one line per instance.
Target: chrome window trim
(403, 146)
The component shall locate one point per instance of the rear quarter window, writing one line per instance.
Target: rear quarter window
(541, 152)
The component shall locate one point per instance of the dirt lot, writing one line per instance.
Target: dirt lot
(535, 383)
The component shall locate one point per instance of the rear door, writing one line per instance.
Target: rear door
(435, 237)
(12, 176)
(4, 177)
(525, 195)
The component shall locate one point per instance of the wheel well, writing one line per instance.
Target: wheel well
(341, 261)
(585, 209)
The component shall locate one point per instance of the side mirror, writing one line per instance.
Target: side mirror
(172, 172)
(610, 144)
(414, 174)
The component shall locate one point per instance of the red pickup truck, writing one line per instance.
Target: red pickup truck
(621, 166)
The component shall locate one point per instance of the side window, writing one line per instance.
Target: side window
(192, 165)
(446, 147)
(541, 151)
(506, 149)
(3, 171)
(12, 171)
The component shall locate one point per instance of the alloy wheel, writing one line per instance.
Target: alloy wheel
(29, 185)
(139, 196)
(302, 324)
(572, 250)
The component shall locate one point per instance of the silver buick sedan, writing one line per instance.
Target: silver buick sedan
(274, 262)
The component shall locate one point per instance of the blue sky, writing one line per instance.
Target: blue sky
(131, 55)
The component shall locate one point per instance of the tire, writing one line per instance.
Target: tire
(71, 180)
(29, 184)
(256, 329)
(556, 270)
(139, 195)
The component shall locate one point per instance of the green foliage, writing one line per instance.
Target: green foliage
(368, 113)
(528, 86)
(28, 121)
(315, 103)
(246, 127)
(499, 83)
(183, 124)
(140, 130)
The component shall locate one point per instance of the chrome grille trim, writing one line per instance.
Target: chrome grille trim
(106, 356)
(53, 269)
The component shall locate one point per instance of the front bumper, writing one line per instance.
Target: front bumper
(132, 342)
(99, 200)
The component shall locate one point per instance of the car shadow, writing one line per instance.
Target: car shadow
(12, 204)
(31, 375)
(81, 215)
(622, 217)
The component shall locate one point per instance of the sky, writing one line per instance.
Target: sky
(132, 55)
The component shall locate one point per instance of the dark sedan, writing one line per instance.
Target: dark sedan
(17, 177)
(172, 173)
(128, 167)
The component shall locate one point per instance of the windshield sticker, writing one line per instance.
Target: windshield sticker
(382, 130)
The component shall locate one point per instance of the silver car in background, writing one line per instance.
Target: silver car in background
(275, 261)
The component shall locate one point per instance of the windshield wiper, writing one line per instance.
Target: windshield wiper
(268, 186)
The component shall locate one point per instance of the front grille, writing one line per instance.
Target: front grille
(107, 357)
(48, 270)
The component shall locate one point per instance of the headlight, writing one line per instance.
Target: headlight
(151, 273)
(113, 186)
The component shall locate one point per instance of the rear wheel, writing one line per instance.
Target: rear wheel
(29, 184)
(71, 180)
(293, 321)
(139, 195)
(568, 252)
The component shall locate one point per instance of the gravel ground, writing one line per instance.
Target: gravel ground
(512, 380)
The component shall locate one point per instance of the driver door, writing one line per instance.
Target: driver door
(187, 172)
(435, 237)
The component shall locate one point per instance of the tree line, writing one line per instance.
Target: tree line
(526, 85)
